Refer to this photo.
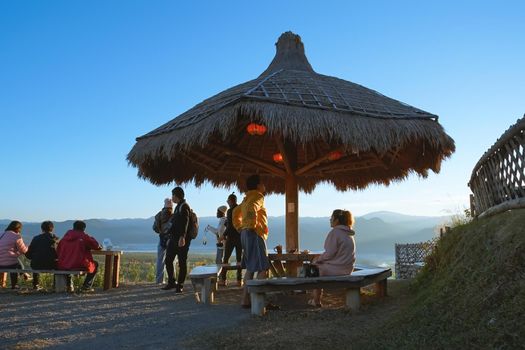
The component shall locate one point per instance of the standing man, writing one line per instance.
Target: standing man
(233, 240)
(179, 242)
(252, 223)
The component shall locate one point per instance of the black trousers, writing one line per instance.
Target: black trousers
(232, 242)
(172, 251)
(88, 282)
(36, 275)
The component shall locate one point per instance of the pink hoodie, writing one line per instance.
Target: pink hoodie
(11, 246)
(339, 255)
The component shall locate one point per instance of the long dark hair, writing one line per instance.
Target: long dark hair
(14, 226)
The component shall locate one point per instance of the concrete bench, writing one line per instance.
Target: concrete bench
(351, 283)
(60, 276)
(204, 280)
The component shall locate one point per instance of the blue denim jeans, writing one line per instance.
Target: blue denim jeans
(161, 258)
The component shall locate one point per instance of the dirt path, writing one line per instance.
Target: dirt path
(137, 316)
(145, 317)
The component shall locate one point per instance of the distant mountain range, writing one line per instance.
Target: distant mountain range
(376, 233)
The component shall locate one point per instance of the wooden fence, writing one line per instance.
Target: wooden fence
(498, 179)
(410, 258)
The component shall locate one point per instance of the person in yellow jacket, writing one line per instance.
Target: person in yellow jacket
(249, 218)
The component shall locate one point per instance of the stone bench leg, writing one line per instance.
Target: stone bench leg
(207, 287)
(60, 283)
(381, 288)
(197, 287)
(208, 290)
(353, 299)
(258, 303)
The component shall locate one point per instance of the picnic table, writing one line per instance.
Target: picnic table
(288, 264)
(111, 267)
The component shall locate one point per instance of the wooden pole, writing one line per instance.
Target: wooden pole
(292, 213)
(289, 152)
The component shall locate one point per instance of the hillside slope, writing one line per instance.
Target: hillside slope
(471, 294)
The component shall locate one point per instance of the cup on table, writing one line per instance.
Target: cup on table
(106, 244)
(278, 249)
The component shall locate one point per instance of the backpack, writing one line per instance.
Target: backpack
(193, 225)
(157, 223)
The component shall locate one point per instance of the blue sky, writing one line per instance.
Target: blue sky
(79, 80)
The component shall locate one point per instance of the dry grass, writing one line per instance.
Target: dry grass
(302, 327)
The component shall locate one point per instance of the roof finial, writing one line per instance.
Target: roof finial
(289, 55)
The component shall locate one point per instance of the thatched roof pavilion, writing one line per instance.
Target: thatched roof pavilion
(313, 128)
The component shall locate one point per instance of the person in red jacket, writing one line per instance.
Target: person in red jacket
(74, 252)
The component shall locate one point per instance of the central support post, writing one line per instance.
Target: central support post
(292, 212)
(289, 152)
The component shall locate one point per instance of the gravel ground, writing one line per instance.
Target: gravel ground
(144, 317)
(131, 316)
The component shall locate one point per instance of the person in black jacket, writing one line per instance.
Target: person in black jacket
(42, 251)
(179, 242)
(233, 240)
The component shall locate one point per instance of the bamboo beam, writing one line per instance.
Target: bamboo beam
(269, 167)
(380, 159)
(313, 164)
(206, 157)
(361, 164)
(334, 171)
(204, 165)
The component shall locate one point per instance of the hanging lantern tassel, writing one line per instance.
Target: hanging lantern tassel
(335, 155)
(256, 129)
(278, 158)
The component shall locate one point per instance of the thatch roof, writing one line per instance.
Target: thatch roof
(307, 115)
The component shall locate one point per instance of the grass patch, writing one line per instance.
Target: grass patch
(470, 293)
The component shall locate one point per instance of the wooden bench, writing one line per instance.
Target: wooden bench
(204, 280)
(60, 276)
(351, 283)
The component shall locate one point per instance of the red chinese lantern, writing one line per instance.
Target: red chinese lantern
(335, 155)
(256, 129)
(278, 158)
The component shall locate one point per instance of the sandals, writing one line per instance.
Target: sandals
(312, 302)
(271, 306)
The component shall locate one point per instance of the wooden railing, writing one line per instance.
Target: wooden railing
(498, 179)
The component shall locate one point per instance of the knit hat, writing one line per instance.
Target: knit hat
(168, 203)
(222, 209)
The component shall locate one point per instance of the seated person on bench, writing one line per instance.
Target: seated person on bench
(42, 252)
(339, 255)
(74, 252)
(11, 247)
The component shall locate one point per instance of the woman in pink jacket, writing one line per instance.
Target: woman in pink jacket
(11, 247)
(339, 255)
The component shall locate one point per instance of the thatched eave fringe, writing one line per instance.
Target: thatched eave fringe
(300, 126)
